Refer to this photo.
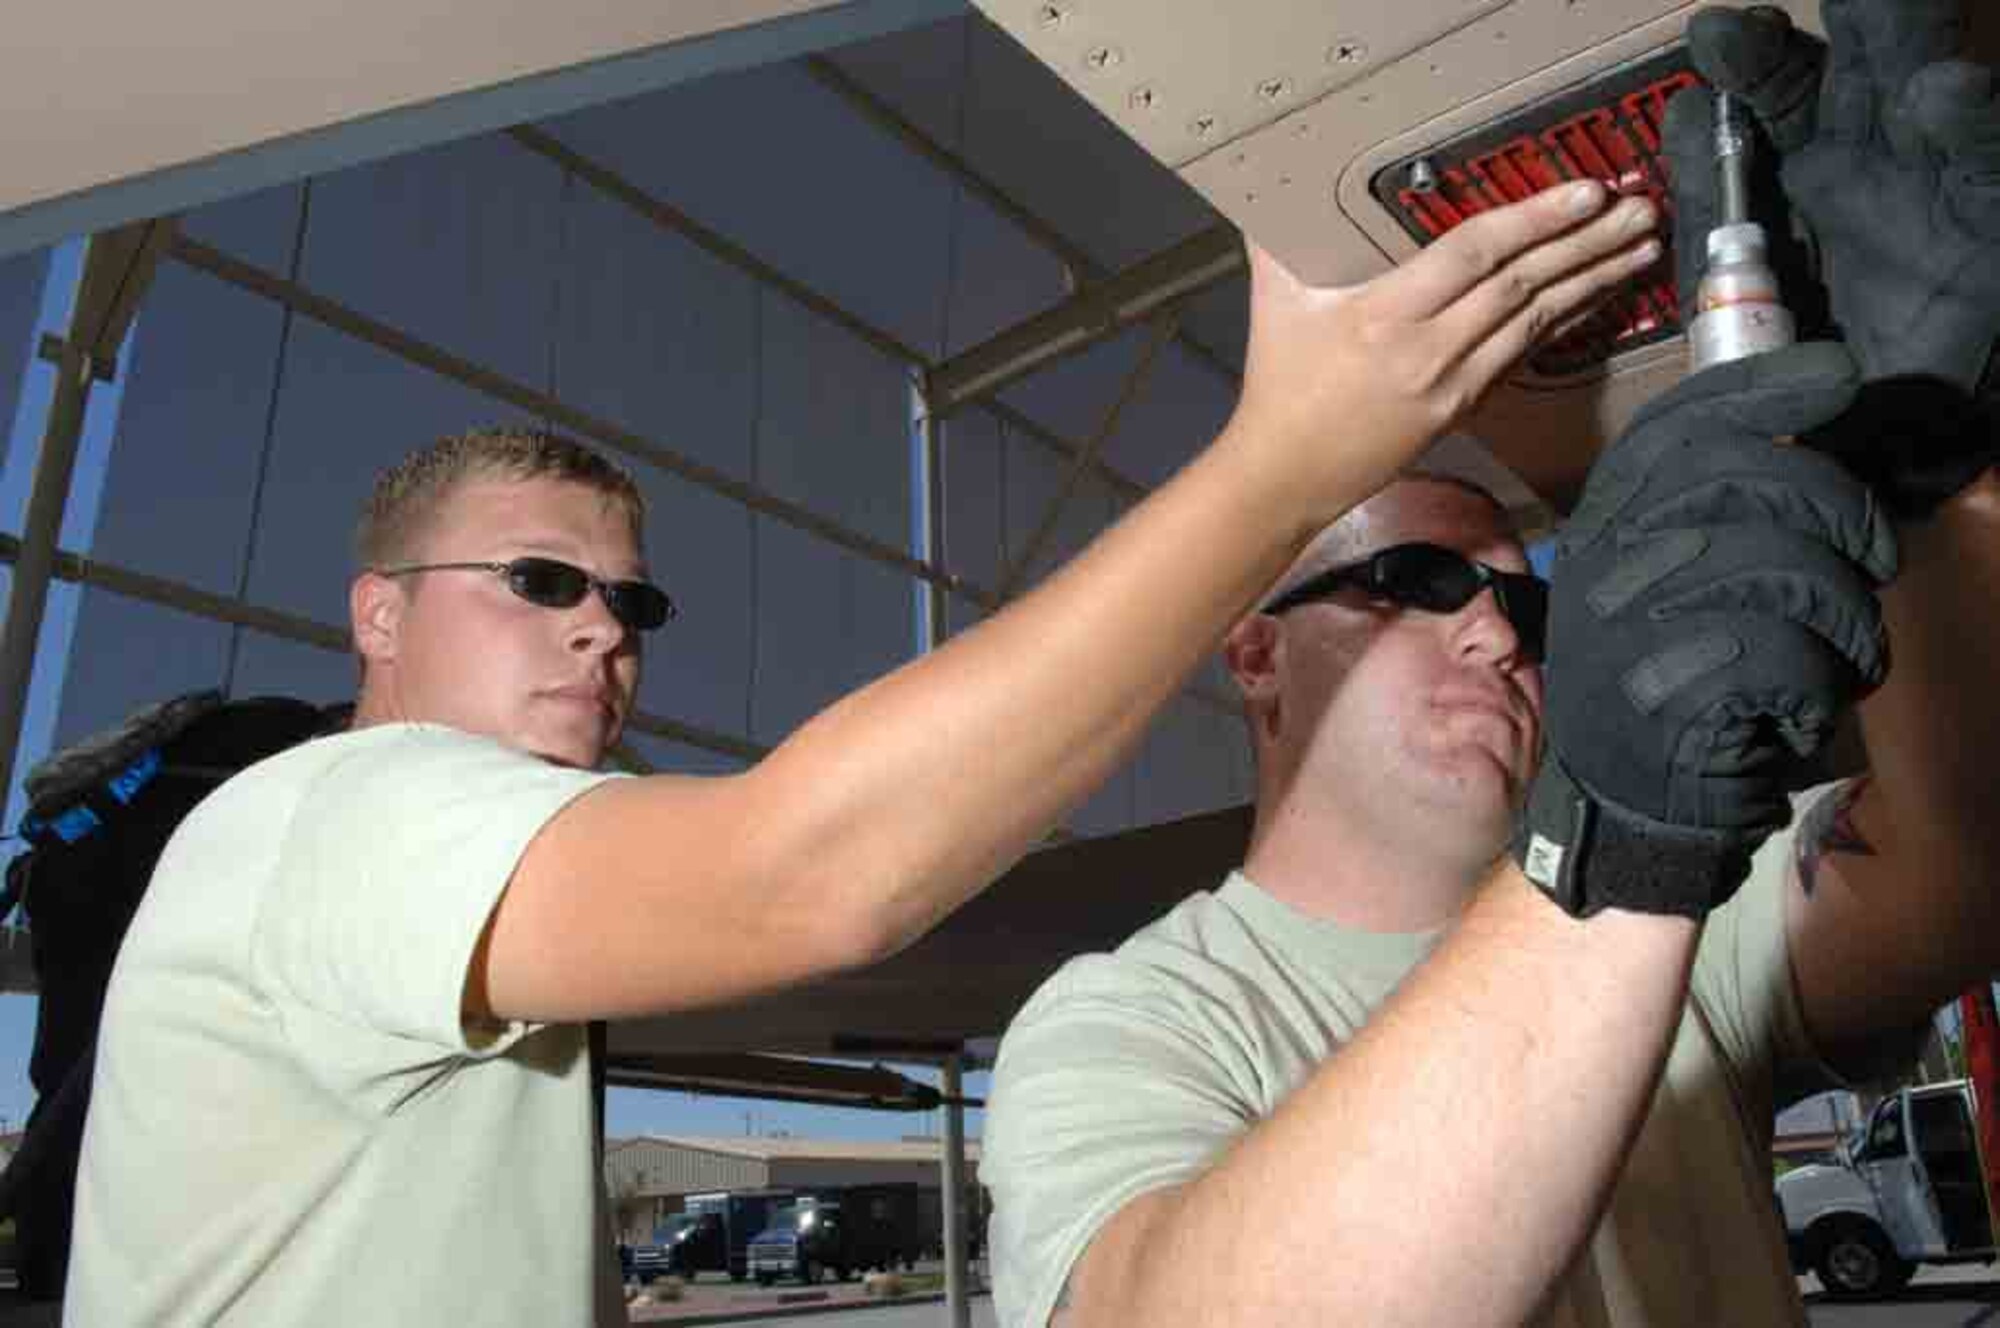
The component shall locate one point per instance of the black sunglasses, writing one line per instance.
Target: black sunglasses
(1437, 580)
(551, 583)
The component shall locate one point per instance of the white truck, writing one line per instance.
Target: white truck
(1906, 1188)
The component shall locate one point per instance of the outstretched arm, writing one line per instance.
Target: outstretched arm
(894, 806)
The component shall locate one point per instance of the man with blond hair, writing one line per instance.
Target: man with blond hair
(343, 1077)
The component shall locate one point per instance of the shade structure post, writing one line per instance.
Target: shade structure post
(958, 1306)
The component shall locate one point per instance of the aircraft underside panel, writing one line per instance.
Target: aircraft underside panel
(1293, 117)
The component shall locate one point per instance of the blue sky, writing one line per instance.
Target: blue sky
(17, 1013)
(17, 1038)
(628, 1111)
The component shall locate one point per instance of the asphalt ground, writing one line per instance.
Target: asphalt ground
(1967, 1296)
(712, 1298)
(1963, 1296)
(926, 1315)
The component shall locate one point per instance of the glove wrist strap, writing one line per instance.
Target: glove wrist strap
(1588, 855)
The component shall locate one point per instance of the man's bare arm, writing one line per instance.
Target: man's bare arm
(890, 809)
(1527, 1046)
(1897, 903)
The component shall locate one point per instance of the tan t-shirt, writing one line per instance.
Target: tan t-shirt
(290, 1123)
(1132, 1071)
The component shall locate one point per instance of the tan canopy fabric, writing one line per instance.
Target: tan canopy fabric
(964, 981)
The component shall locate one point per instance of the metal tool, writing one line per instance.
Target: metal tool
(1738, 308)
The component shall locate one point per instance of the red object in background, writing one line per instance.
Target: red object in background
(1609, 132)
(1980, 1025)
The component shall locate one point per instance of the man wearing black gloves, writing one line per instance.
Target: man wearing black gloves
(343, 1055)
(1375, 1078)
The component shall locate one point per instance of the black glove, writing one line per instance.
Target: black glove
(1890, 149)
(1712, 614)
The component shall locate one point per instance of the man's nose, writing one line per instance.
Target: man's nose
(593, 628)
(1482, 630)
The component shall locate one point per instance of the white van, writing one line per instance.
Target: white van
(1907, 1188)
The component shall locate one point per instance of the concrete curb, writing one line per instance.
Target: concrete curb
(828, 1306)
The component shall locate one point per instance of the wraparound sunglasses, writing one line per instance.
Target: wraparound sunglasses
(551, 583)
(1437, 580)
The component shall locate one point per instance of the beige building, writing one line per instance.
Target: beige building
(650, 1177)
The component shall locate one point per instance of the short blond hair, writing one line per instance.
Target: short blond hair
(408, 495)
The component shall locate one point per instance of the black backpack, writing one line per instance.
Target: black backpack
(100, 813)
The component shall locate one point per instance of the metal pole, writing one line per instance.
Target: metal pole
(933, 620)
(600, 1038)
(958, 1309)
(290, 627)
(28, 597)
(1016, 571)
(931, 529)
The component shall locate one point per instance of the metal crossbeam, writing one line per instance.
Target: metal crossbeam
(446, 365)
(1012, 577)
(1037, 228)
(1086, 318)
(118, 267)
(712, 242)
(731, 254)
(192, 600)
(317, 307)
(116, 276)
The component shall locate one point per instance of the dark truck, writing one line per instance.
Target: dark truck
(840, 1231)
(713, 1235)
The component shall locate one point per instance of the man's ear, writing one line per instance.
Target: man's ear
(1251, 653)
(375, 614)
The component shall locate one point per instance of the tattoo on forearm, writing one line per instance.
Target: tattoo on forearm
(1829, 828)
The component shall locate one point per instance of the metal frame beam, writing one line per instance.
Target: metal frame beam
(1087, 318)
(317, 307)
(958, 1307)
(728, 252)
(778, 1078)
(718, 246)
(296, 297)
(1212, 256)
(118, 268)
(119, 271)
(76, 568)
(1013, 575)
(1037, 228)
(1131, 491)
(28, 593)
(737, 257)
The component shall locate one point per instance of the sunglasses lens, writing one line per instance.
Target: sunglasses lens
(544, 581)
(1526, 602)
(639, 605)
(1424, 576)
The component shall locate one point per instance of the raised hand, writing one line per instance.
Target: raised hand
(1356, 380)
